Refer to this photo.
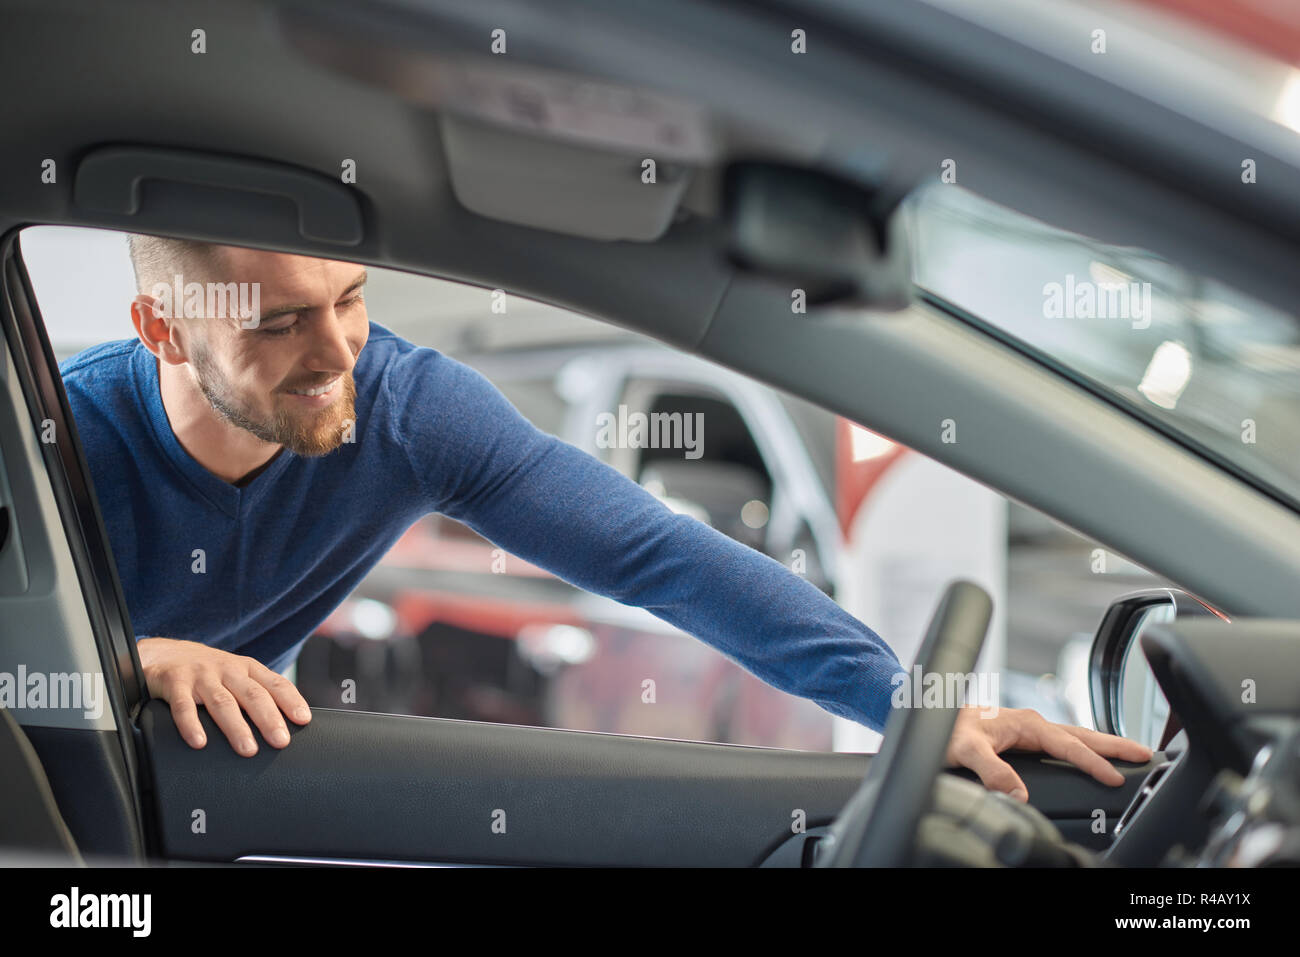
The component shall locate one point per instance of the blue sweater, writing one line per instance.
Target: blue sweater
(432, 435)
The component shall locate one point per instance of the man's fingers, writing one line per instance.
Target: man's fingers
(1111, 745)
(188, 674)
(1059, 743)
(186, 715)
(287, 697)
(261, 707)
(976, 753)
(224, 708)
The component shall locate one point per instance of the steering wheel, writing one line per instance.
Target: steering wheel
(877, 828)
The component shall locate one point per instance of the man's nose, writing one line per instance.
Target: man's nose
(332, 346)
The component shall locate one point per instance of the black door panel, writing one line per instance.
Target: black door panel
(387, 787)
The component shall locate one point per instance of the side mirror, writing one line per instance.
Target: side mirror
(1126, 699)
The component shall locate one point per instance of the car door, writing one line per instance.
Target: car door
(62, 605)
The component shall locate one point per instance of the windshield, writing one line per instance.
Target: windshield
(1214, 364)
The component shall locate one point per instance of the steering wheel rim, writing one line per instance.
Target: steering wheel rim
(877, 828)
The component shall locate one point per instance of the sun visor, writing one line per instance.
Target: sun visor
(554, 151)
(560, 186)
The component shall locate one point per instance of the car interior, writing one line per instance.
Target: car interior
(575, 168)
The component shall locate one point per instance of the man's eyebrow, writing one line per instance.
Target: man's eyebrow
(268, 314)
(357, 283)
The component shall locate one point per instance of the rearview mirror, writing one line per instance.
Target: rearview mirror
(835, 239)
(1126, 699)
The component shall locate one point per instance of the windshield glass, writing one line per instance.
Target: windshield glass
(1217, 366)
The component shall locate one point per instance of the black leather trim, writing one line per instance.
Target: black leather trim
(389, 787)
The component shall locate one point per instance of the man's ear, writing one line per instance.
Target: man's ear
(160, 332)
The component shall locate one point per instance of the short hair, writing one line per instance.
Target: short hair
(158, 259)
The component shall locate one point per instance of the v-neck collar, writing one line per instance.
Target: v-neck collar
(222, 494)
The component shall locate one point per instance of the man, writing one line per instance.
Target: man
(253, 468)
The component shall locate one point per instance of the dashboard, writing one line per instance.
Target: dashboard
(1226, 789)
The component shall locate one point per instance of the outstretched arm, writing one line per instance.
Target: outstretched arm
(551, 504)
(561, 509)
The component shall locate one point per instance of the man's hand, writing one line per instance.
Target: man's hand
(189, 673)
(977, 741)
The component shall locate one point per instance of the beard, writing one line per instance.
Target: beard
(306, 432)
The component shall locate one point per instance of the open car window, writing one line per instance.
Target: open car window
(447, 625)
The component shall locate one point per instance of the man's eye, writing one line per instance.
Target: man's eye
(352, 301)
(282, 331)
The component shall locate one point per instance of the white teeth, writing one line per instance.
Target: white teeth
(321, 391)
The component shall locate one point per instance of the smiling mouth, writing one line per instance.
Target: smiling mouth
(318, 391)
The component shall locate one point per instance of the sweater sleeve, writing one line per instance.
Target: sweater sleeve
(548, 502)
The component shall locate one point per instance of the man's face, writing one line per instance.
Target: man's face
(311, 328)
